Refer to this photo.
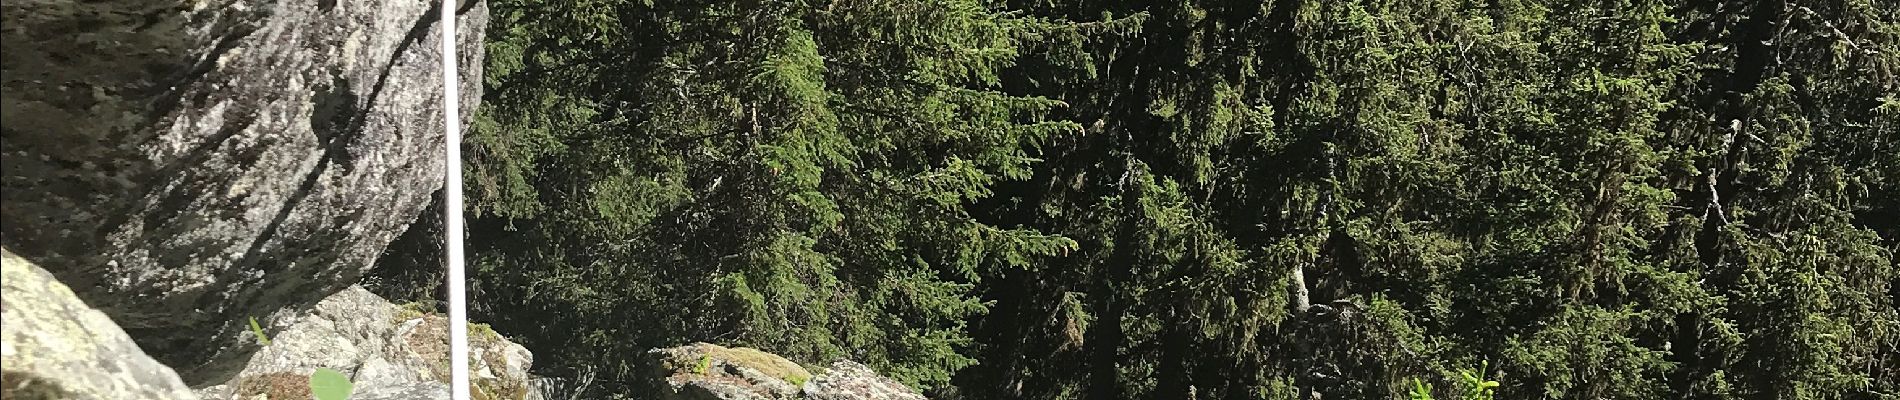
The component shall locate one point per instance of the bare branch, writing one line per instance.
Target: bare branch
(1837, 31)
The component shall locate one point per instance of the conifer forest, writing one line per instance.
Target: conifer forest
(1197, 199)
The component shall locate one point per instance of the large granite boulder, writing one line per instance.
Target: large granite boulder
(703, 371)
(383, 348)
(52, 346)
(187, 164)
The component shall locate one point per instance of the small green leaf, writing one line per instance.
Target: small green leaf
(1421, 390)
(259, 331)
(327, 384)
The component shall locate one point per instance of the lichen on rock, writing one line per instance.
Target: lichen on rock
(382, 347)
(704, 371)
(849, 380)
(24, 386)
(54, 346)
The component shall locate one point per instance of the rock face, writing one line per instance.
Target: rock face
(52, 346)
(186, 164)
(387, 350)
(702, 371)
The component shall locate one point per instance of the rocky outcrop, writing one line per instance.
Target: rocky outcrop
(702, 371)
(52, 346)
(385, 349)
(55, 347)
(186, 164)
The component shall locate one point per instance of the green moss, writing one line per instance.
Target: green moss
(413, 310)
(771, 365)
(482, 331)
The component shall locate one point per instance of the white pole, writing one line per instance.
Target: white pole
(452, 207)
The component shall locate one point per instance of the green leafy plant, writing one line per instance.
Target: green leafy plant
(259, 331)
(705, 364)
(1420, 390)
(1475, 385)
(328, 384)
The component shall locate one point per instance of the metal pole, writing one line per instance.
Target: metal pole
(452, 207)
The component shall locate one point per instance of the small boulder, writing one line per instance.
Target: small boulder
(703, 371)
(387, 350)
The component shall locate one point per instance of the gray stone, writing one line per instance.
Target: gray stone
(410, 391)
(53, 344)
(847, 380)
(187, 164)
(703, 371)
(382, 347)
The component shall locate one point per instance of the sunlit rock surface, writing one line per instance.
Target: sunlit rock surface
(185, 165)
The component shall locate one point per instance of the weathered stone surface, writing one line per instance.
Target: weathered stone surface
(296, 387)
(410, 391)
(186, 164)
(847, 380)
(382, 347)
(52, 346)
(703, 371)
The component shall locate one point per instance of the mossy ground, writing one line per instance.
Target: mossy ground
(275, 386)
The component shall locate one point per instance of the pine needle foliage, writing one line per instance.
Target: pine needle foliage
(1188, 199)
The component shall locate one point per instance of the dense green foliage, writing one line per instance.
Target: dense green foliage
(1069, 199)
(681, 172)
